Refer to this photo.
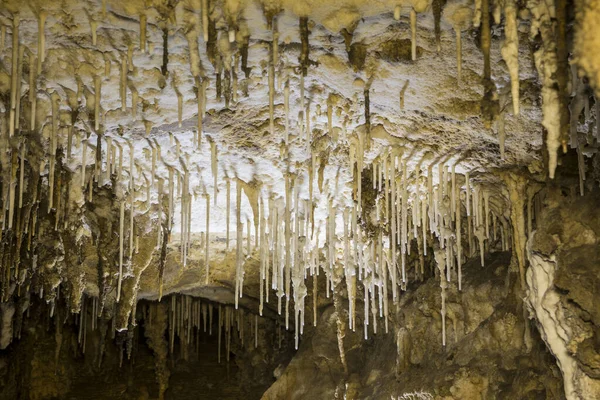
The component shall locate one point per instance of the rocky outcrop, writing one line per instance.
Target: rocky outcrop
(492, 351)
(563, 289)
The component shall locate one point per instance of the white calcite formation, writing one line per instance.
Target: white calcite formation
(145, 129)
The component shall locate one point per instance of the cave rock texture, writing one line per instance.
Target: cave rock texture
(307, 199)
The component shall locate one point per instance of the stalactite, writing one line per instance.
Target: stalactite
(248, 237)
(288, 258)
(130, 57)
(263, 257)
(413, 34)
(510, 50)
(458, 53)
(441, 265)
(205, 22)
(41, 40)
(228, 212)
(17, 112)
(458, 236)
(123, 83)
(32, 90)
(597, 108)
(94, 28)
(14, 76)
(489, 104)
(12, 187)
(239, 238)
(486, 208)
(468, 193)
(271, 80)
(53, 145)
(201, 85)
(107, 65)
(179, 108)
(367, 109)
(98, 89)
(341, 329)
(501, 135)
(131, 197)
(214, 168)
(286, 105)
(121, 233)
(206, 251)
(134, 106)
(143, 20)
(517, 194)
(22, 173)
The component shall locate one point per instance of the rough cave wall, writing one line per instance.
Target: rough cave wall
(493, 352)
(564, 288)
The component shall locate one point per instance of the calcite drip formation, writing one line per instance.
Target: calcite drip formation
(324, 197)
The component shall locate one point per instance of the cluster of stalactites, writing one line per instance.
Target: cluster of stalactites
(453, 218)
(286, 234)
(188, 319)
